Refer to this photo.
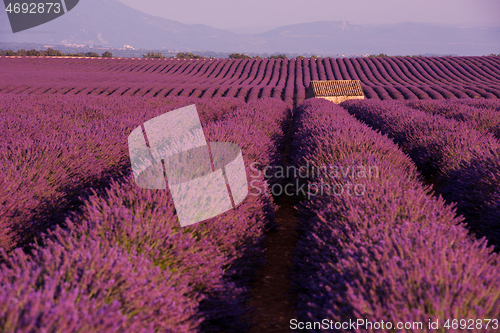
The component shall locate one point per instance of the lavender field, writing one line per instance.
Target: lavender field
(385, 78)
(397, 219)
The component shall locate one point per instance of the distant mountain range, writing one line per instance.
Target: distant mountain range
(113, 24)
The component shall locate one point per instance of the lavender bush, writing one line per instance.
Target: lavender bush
(52, 148)
(483, 119)
(395, 253)
(452, 154)
(125, 242)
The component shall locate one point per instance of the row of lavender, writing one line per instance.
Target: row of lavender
(121, 263)
(249, 79)
(460, 157)
(387, 250)
(81, 138)
(482, 115)
(378, 71)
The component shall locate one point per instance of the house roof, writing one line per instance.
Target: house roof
(335, 88)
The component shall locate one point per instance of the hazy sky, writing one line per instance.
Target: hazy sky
(249, 13)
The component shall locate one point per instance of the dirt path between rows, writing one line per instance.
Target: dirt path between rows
(271, 285)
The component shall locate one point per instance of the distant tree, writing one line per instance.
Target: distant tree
(92, 55)
(7, 53)
(21, 52)
(313, 57)
(50, 52)
(279, 56)
(239, 56)
(188, 55)
(107, 54)
(378, 55)
(81, 54)
(33, 53)
(155, 55)
(300, 57)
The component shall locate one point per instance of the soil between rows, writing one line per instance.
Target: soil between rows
(271, 291)
(271, 286)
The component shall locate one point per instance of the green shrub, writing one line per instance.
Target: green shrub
(239, 56)
(156, 55)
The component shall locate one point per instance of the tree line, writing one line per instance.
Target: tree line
(50, 52)
(189, 55)
(182, 55)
